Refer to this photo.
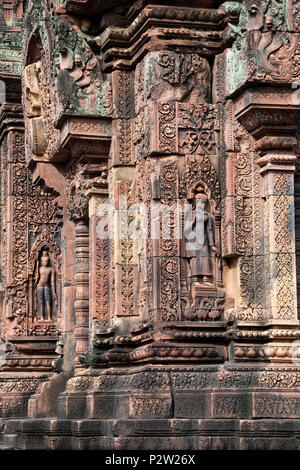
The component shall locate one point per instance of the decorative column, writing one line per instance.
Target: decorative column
(81, 304)
(77, 209)
(273, 126)
(86, 188)
(278, 166)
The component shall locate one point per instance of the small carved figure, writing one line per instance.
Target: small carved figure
(200, 253)
(45, 288)
(32, 89)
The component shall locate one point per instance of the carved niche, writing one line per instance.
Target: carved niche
(44, 278)
(201, 280)
(35, 225)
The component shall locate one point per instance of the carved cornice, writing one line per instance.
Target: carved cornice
(86, 137)
(100, 7)
(265, 110)
(275, 142)
(272, 117)
(205, 30)
(11, 117)
(261, 119)
(94, 7)
(277, 161)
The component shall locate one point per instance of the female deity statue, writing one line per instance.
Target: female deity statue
(45, 288)
(200, 246)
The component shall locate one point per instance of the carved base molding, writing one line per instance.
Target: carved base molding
(15, 392)
(172, 434)
(184, 392)
(197, 342)
(203, 407)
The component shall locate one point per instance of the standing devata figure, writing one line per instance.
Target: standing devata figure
(45, 288)
(200, 250)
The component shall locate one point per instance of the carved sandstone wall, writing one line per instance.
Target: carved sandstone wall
(122, 118)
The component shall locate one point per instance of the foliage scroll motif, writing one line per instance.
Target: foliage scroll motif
(167, 127)
(178, 68)
(35, 224)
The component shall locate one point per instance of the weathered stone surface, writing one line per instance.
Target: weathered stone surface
(149, 219)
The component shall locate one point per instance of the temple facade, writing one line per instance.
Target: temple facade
(150, 224)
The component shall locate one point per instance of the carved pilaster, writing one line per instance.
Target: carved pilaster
(276, 160)
(279, 228)
(86, 188)
(100, 256)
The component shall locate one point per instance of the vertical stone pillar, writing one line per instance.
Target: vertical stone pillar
(99, 278)
(82, 289)
(279, 234)
(273, 127)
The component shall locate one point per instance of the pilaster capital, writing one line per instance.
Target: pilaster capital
(84, 182)
(272, 118)
(269, 112)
